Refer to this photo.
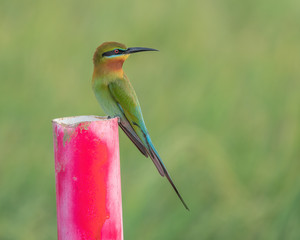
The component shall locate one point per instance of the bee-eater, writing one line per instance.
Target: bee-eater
(117, 97)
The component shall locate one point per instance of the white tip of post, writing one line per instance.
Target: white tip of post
(79, 119)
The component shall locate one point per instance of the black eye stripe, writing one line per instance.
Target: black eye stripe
(108, 53)
(113, 52)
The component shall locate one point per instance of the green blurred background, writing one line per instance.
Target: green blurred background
(221, 101)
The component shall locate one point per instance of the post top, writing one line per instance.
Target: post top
(70, 121)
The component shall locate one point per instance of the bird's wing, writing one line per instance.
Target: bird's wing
(132, 123)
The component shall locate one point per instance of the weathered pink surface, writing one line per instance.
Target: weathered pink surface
(88, 183)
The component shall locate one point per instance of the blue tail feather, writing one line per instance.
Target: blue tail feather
(157, 160)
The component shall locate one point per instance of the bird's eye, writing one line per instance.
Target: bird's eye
(116, 51)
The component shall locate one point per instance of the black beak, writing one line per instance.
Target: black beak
(138, 49)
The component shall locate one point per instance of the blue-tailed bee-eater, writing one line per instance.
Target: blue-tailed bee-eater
(117, 97)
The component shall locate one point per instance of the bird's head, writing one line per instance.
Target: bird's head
(113, 53)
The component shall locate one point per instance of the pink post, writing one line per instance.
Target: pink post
(88, 183)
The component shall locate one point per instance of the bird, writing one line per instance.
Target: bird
(117, 98)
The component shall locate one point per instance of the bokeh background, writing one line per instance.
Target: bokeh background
(221, 101)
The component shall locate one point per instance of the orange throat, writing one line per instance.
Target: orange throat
(111, 66)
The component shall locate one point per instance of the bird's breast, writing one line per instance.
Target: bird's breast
(103, 96)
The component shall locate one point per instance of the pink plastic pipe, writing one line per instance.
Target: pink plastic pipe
(87, 174)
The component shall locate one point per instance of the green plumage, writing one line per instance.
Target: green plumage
(117, 97)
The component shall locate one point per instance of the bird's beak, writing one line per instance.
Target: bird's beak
(138, 49)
